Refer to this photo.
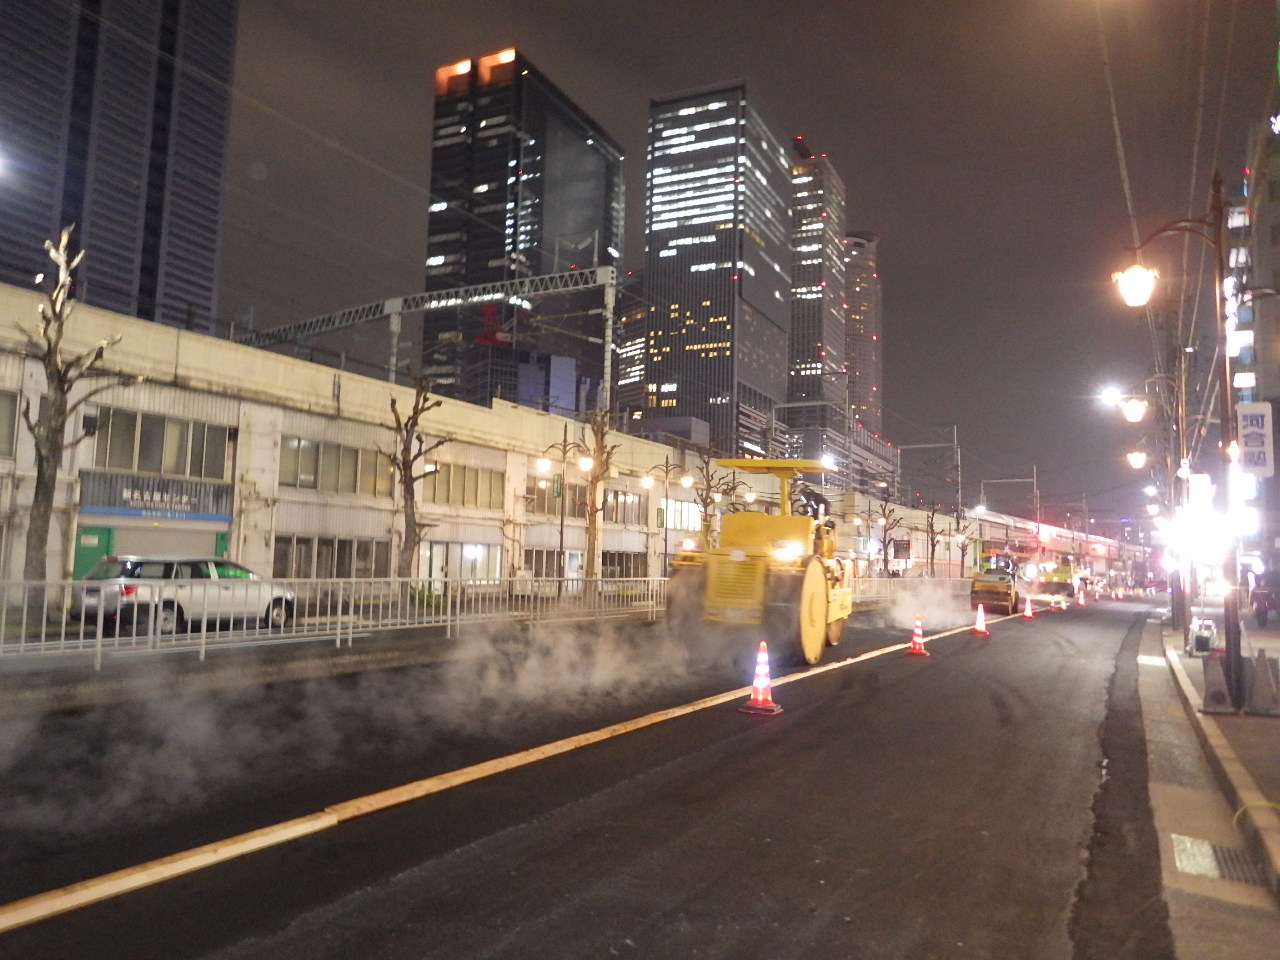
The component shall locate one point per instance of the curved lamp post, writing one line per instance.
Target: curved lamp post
(565, 447)
(666, 468)
(1137, 284)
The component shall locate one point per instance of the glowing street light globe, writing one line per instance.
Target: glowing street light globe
(1111, 396)
(1136, 284)
(1134, 409)
(1137, 459)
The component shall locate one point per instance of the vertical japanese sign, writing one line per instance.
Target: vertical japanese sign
(1253, 433)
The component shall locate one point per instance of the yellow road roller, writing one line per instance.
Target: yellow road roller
(778, 572)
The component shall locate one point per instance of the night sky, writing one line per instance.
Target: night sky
(974, 136)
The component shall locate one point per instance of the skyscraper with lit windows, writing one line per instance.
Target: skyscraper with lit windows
(114, 118)
(863, 321)
(816, 410)
(523, 183)
(717, 276)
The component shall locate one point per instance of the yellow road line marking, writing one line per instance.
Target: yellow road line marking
(42, 906)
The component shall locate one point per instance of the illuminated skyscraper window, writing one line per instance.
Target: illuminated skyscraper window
(717, 260)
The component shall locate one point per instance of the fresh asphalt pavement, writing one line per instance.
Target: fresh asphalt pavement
(1004, 797)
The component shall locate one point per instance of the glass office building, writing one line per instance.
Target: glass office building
(114, 116)
(717, 275)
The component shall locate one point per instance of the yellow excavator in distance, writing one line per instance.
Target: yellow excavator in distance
(778, 571)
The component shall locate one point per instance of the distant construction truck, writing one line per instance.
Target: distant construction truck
(777, 571)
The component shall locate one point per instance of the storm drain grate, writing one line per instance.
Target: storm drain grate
(1205, 859)
(1236, 865)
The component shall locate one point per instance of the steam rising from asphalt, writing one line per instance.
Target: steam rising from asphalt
(935, 602)
(150, 759)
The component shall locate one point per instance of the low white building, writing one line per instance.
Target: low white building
(283, 465)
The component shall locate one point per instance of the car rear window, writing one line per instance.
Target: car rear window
(112, 569)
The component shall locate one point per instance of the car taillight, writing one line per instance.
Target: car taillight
(128, 589)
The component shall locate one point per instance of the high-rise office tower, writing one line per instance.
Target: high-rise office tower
(717, 271)
(863, 356)
(817, 407)
(523, 183)
(114, 118)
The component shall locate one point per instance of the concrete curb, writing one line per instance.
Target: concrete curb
(1257, 818)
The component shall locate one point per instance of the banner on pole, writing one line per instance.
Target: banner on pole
(1253, 433)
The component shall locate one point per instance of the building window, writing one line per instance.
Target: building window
(617, 565)
(8, 422)
(463, 561)
(333, 468)
(460, 486)
(542, 563)
(540, 494)
(151, 443)
(621, 506)
(328, 558)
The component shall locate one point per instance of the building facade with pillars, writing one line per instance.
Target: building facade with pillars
(523, 183)
(282, 464)
(717, 269)
(115, 118)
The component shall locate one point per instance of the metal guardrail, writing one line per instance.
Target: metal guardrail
(38, 627)
(38, 621)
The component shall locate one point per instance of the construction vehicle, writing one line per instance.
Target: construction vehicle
(994, 588)
(1056, 579)
(777, 572)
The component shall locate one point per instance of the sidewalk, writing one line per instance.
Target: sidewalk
(1243, 750)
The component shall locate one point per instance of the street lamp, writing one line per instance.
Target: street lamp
(666, 468)
(1137, 283)
(560, 486)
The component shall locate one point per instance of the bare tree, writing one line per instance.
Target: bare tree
(711, 486)
(410, 462)
(962, 538)
(601, 453)
(48, 423)
(931, 531)
(887, 519)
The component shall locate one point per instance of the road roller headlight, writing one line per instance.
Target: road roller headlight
(786, 551)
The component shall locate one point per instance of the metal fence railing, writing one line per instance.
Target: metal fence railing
(66, 620)
(47, 624)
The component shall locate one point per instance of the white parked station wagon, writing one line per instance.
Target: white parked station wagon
(166, 595)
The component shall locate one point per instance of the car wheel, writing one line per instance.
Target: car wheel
(169, 620)
(279, 615)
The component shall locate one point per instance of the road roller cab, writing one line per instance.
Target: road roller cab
(776, 571)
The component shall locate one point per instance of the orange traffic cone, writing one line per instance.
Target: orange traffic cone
(917, 641)
(1027, 612)
(1080, 597)
(761, 687)
(980, 624)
